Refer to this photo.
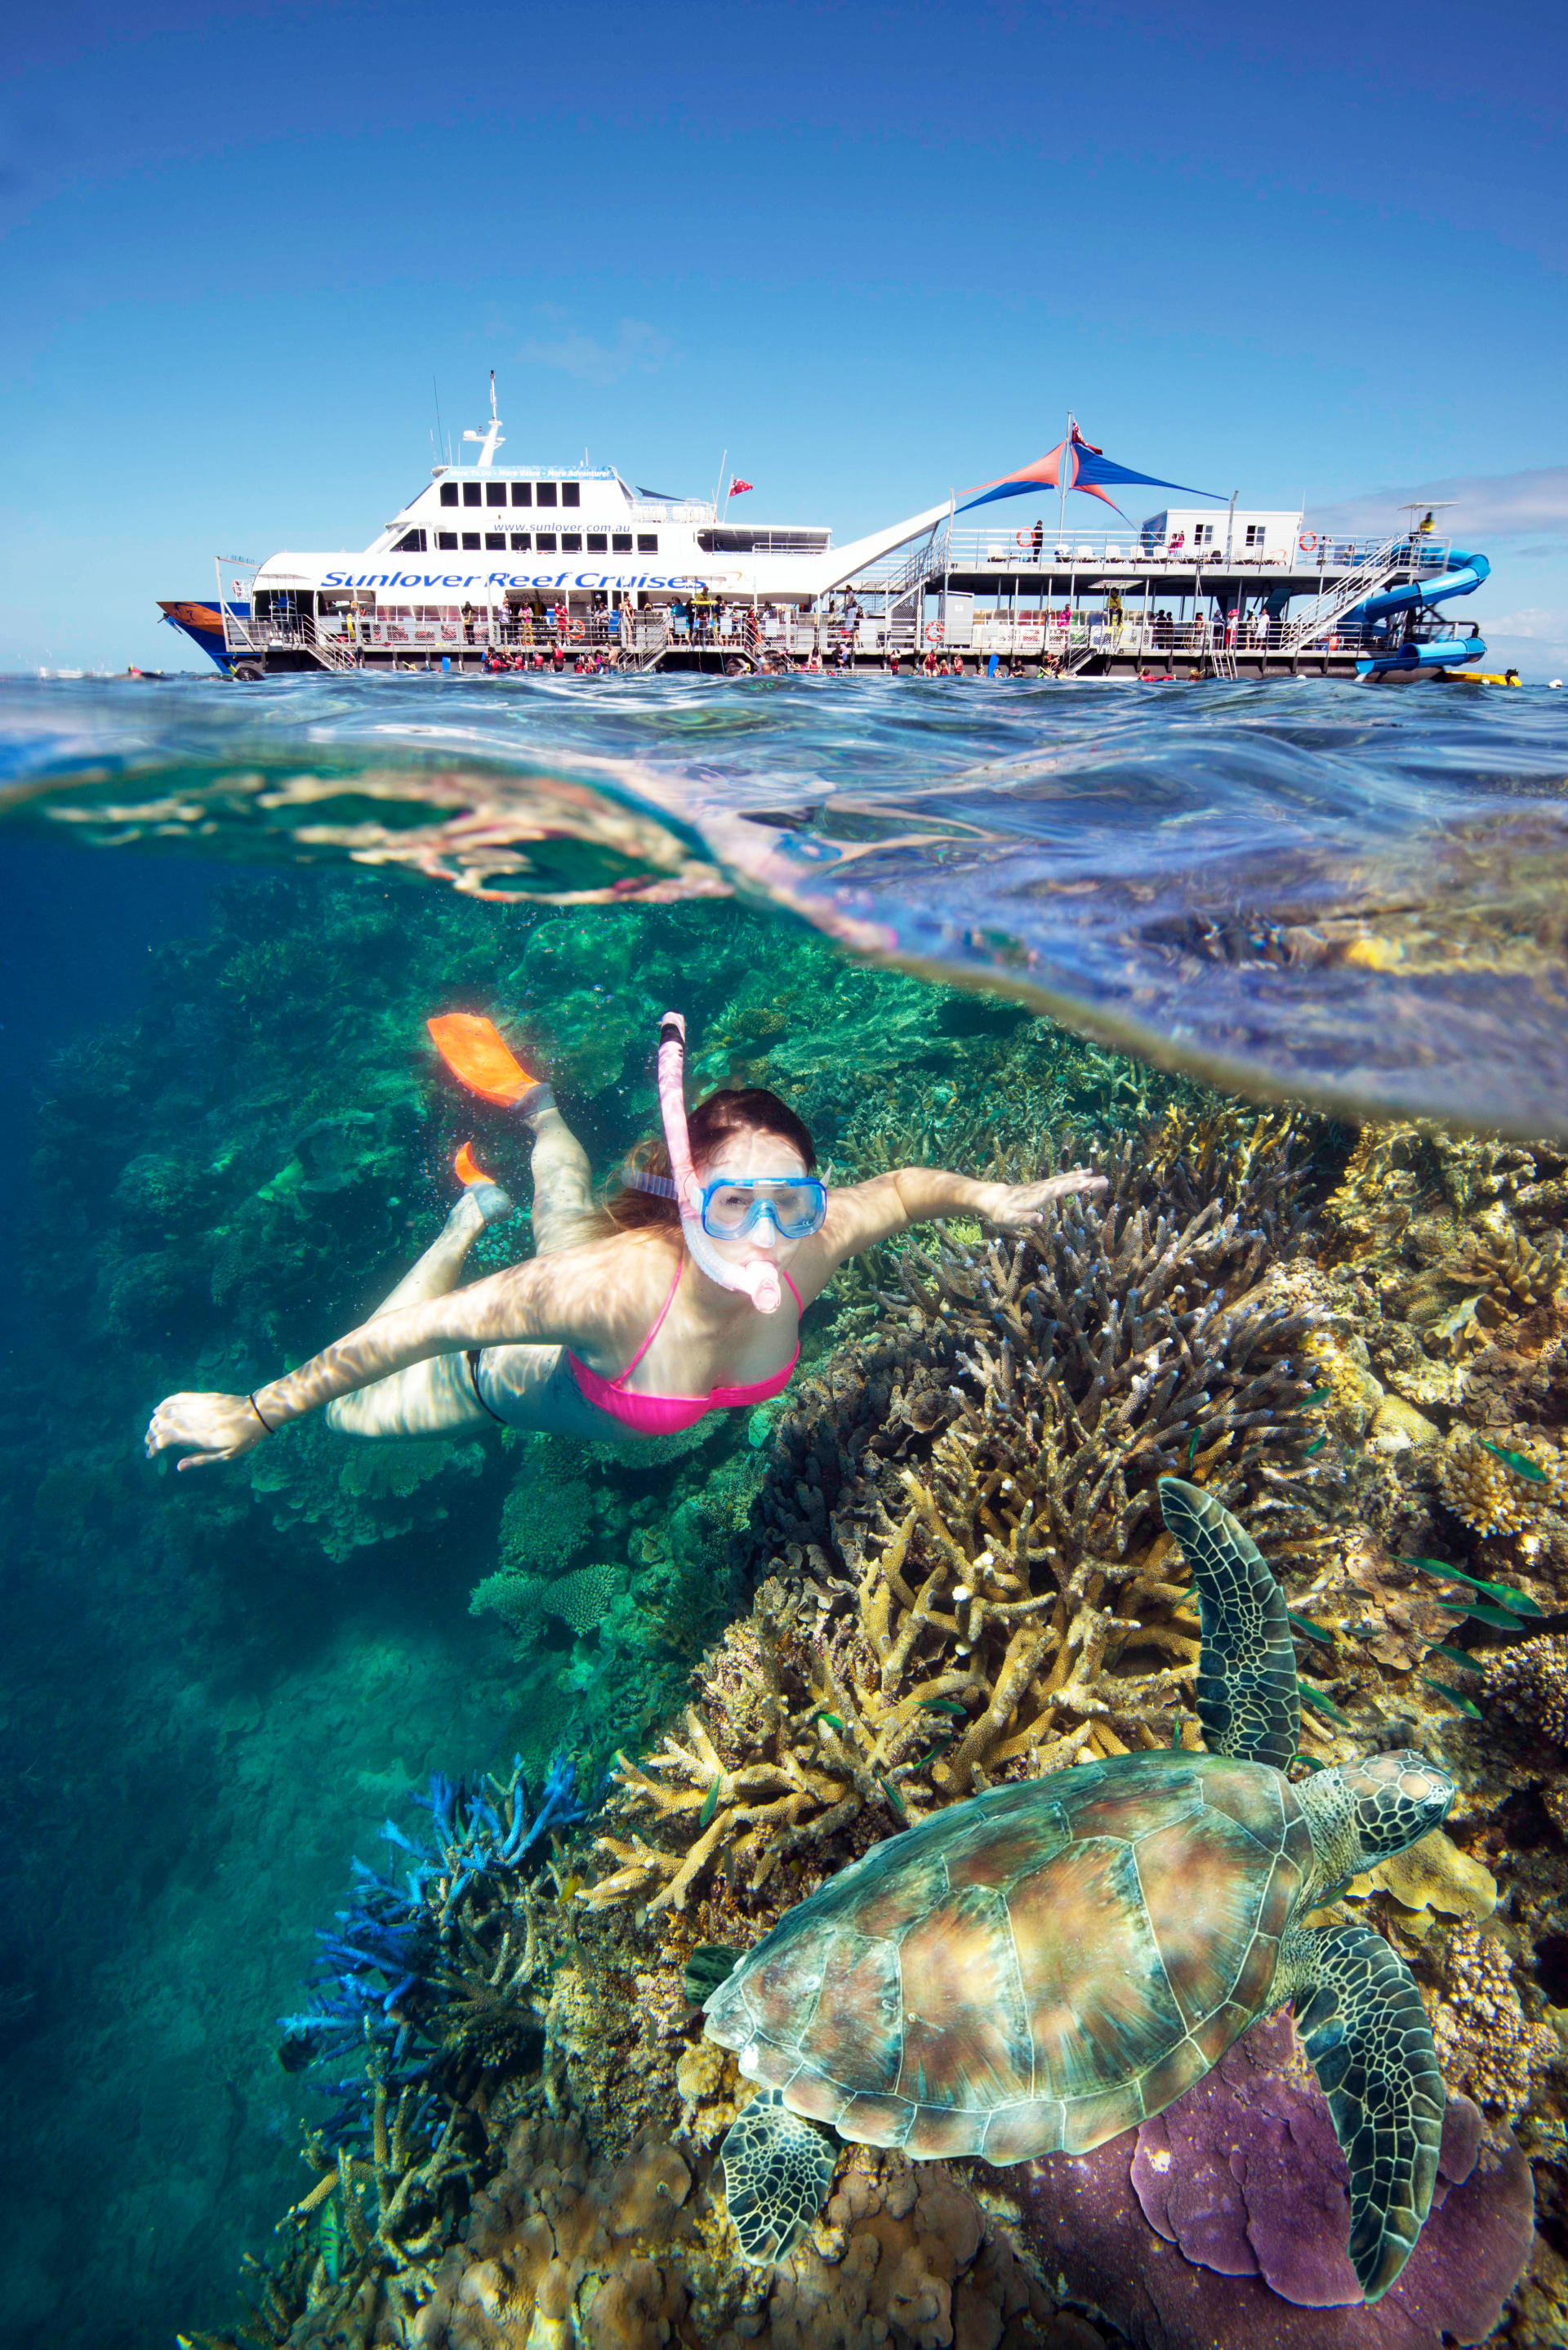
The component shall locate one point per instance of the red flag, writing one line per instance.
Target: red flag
(1080, 442)
(738, 488)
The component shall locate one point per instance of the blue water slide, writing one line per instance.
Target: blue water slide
(1461, 575)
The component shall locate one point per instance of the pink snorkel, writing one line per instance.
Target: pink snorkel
(758, 1279)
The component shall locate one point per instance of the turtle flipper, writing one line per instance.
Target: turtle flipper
(1247, 1697)
(778, 2171)
(1366, 2031)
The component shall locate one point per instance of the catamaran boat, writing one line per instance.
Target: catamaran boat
(494, 567)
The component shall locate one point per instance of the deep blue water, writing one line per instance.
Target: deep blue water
(1342, 892)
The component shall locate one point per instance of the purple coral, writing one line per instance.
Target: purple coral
(1222, 2223)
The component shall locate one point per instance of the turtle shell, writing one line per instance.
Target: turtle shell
(1034, 1969)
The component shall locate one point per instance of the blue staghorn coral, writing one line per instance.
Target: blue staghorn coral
(394, 1984)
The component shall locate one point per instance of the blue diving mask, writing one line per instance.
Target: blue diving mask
(795, 1205)
(732, 1207)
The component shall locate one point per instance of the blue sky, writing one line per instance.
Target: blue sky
(873, 252)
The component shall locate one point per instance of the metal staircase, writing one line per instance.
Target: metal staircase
(1322, 615)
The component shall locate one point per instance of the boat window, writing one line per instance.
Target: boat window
(598, 544)
(546, 493)
(571, 542)
(413, 542)
(470, 539)
(648, 542)
(519, 542)
(470, 494)
(570, 493)
(446, 538)
(522, 493)
(543, 542)
(496, 541)
(448, 493)
(495, 494)
(620, 542)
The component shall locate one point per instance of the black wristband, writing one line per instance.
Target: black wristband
(261, 1415)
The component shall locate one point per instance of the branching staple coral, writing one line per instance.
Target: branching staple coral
(1484, 2042)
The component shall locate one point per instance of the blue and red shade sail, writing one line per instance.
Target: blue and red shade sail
(1074, 463)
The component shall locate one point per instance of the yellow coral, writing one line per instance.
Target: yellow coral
(1488, 1496)
(1484, 2044)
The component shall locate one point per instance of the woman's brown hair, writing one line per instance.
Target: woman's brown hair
(733, 1110)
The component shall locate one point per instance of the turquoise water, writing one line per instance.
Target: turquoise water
(943, 921)
(1349, 893)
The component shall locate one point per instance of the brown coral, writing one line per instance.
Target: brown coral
(1530, 1681)
(1484, 2043)
(1489, 1495)
(565, 2247)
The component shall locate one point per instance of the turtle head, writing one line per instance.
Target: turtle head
(1362, 1811)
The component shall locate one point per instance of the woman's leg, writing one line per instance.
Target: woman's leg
(437, 1398)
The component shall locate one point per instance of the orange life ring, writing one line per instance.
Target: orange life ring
(1308, 542)
(575, 630)
(935, 632)
(1024, 537)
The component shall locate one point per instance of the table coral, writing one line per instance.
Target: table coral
(1222, 2223)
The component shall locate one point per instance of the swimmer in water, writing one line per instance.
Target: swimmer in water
(680, 1296)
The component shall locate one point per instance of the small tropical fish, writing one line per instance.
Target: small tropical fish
(1312, 1631)
(942, 1705)
(1318, 1395)
(1321, 1704)
(1316, 1446)
(709, 1805)
(894, 1804)
(1519, 1462)
(1193, 1450)
(831, 1719)
(1505, 1597)
(1453, 1697)
(1456, 1656)
(1500, 1618)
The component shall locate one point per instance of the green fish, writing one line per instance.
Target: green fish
(709, 1805)
(832, 1720)
(1316, 1446)
(894, 1804)
(1500, 1618)
(1318, 1395)
(1193, 1450)
(1456, 1656)
(1453, 1697)
(1504, 1595)
(942, 1705)
(1312, 1631)
(1519, 1462)
(1321, 1704)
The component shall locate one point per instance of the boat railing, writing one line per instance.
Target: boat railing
(1091, 557)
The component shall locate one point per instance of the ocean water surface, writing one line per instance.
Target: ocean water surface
(945, 921)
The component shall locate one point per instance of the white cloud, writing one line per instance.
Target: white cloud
(635, 346)
(1535, 622)
(1485, 507)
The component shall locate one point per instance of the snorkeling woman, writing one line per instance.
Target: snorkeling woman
(682, 1295)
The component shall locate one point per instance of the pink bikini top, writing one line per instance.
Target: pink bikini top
(655, 1415)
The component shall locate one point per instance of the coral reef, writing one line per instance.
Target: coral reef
(1486, 2045)
(1224, 2220)
(1529, 1683)
(970, 1580)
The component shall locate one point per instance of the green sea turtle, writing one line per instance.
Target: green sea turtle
(1055, 1960)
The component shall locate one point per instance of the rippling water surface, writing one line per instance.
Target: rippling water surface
(1353, 894)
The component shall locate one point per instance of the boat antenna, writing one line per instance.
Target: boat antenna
(720, 483)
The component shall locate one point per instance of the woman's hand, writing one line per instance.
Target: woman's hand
(1017, 1206)
(220, 1428)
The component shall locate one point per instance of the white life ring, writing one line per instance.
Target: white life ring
(935, 632)
(1308, 542)
(575, 630)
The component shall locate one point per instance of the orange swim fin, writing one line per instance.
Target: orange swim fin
(467, 1169)
(475, 1051)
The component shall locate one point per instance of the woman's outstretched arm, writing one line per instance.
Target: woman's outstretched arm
(539, 1301)
(864, 1213)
